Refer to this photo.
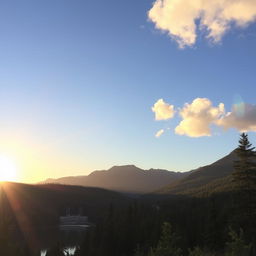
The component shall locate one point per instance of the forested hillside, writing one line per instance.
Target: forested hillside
(220, 222)
(204, 180)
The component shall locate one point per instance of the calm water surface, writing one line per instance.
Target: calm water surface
(67, 238)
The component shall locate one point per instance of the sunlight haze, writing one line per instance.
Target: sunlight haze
(79, 80)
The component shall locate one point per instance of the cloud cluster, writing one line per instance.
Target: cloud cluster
(183, 18)
(197, 118)
(162, 110)
(242, 118)
(200, 115)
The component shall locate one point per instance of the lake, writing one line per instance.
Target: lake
(66, 237)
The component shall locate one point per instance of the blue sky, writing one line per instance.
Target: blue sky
(78, 80)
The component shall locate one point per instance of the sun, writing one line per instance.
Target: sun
(8, 169)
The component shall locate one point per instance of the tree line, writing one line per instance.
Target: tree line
(223, 224)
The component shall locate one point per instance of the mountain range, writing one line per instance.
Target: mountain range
(131, 179)
(127, 178)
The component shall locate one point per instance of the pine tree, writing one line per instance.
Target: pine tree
(167, 245)
(197, 251)
(244, 174)
(237, 245)
(244, 179)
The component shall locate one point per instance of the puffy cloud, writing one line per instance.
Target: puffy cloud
(180, 17)
(198, 117)
(159, 133)
(242, 117)
(162, 110)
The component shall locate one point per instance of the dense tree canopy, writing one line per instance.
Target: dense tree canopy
(244, 179)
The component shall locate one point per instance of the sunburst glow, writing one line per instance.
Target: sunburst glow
(8, 169)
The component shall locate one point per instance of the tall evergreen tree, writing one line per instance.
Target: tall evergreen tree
(167, 245)
(237, 245)
(244, 178)
(244, 174)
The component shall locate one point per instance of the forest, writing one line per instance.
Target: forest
(220, 224)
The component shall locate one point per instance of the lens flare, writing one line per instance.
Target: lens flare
(238, 106)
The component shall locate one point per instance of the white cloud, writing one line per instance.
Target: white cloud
(162, 110)
(159, 133)
(179, 17)
(198, 117)
(242, 117)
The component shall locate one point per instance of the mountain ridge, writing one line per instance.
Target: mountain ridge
(126, 178)
(131, 179)
(212, 175)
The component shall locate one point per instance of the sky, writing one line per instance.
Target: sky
(85, 85)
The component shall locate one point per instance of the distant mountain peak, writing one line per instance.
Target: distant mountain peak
(132, 179)
(128, 166)
(124, 178)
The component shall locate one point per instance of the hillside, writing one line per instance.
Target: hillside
(43, 204)
(208, 179)
(32, 211)
(128, 178)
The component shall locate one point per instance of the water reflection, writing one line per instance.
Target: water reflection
(68, 238)
(69, 251)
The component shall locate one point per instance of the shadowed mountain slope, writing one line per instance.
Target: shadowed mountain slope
(128, 178)
(43, 204)
(31, 212)
(211, 178)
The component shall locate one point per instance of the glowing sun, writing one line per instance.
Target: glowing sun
(8, 169)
